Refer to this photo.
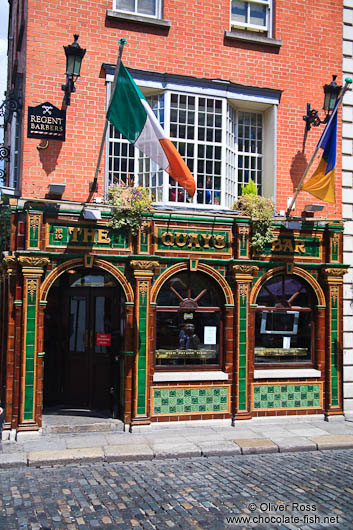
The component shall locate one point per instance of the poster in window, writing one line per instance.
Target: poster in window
(210, 335)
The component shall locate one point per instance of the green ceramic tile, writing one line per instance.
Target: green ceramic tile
(177, 400)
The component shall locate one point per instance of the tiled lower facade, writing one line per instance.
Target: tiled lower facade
(186, 400)
(283, 396)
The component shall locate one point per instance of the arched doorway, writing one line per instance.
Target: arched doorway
(84, 327)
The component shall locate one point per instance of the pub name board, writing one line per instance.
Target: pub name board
(184, 239)
(46, 122)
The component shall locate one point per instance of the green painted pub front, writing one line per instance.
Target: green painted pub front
(182, 322)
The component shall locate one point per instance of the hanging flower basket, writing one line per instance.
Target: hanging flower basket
(129, 203)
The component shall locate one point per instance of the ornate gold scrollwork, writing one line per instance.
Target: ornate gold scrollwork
(33, 261)
(334, 272)
(142, 265)
(245, 269)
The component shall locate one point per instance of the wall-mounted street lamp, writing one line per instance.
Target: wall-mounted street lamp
(331, 92)
(74, 55)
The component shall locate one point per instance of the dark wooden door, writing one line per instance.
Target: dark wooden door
(94, 326)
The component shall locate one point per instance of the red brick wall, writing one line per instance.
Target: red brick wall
(194, 45)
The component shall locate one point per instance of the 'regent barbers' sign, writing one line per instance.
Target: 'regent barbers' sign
(46, 122)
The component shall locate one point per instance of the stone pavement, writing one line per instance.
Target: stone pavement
(162, 441)
(279, 491)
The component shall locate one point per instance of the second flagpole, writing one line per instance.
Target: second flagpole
(348, 81)
(94, 186)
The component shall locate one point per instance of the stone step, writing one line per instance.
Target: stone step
(62, 428)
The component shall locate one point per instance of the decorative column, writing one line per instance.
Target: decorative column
(243, 275)
(333, 278)
(143, 273)
(128, 362)
(31, 362)
(9, 335)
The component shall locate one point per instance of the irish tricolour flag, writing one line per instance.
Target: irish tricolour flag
(131, 115)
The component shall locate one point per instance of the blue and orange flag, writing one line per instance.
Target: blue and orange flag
(322, 182)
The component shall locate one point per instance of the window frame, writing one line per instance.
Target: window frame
(201, 309)
(300, 309)
(267, 29)
(158, 10)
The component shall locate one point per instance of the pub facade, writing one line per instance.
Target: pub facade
(185, 320)
(181, 322)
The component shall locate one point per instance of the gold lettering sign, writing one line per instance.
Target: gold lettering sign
(286, 246)
(193, 240)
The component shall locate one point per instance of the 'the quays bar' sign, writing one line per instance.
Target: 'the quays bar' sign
(46, 122)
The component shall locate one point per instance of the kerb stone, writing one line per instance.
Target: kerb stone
(333, 441)
(86, 454)
(256, 446)
(125, 453)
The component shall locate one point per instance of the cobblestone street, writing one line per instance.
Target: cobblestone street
(302, 490)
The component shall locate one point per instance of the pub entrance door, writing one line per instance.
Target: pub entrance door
(84, 327)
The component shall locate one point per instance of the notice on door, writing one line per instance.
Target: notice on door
(103, 339)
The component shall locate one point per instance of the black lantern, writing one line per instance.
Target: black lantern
(331, 92)
(74, 55)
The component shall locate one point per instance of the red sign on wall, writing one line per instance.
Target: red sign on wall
(103, 339)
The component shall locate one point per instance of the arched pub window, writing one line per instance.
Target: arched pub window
(284, 321)
(189, 329)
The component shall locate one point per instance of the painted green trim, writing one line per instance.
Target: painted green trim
(29, 352)
(127, 353)
(18, 302)
(41, 354)
(130, 304)
(43, 302)
(173, 217)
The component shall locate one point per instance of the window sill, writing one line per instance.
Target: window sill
(162, 377)
(138, 19)
(253, 38)
(301, 373)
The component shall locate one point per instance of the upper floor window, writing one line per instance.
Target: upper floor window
(225, 141)
(254, 15)
(150, 8)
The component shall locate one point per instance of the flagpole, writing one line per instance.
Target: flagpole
(94, 184)
(348, 81)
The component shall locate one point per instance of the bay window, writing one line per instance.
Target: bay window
(226, 136)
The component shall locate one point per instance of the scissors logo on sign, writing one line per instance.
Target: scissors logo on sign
(47, 109)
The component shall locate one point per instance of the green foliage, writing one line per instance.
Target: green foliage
(5, 226)
(129, 204)
(249, 189)
(261, 211)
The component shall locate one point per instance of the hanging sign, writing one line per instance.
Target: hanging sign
(103, 339)
(46, 122)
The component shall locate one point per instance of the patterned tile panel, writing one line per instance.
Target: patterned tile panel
(295, 396)
(190, 400)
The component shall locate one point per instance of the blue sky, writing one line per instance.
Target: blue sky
(4, 9)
